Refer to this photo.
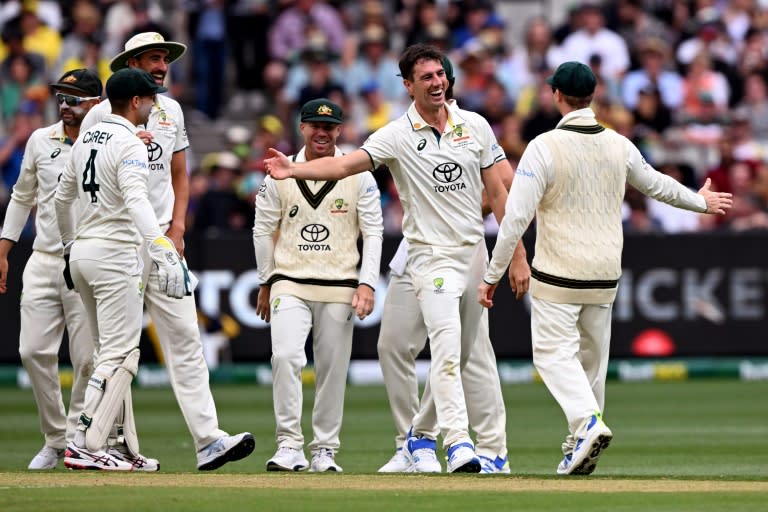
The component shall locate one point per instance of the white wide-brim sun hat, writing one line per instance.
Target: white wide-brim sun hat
(143, 42)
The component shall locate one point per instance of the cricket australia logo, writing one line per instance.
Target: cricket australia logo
(339, 206)
(438, 282)
(447, 174)
(314, 235)
(275, 305)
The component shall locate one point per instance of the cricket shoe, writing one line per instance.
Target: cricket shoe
(399, 463)
(323, 460)
(139, 462)
(421, 453)
(287, 459)
(46, 458)
(497, 466)
(80, 458)
(462, 458)
(583, 459)
(225, 449)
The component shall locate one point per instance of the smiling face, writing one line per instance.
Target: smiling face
(155, 62)
(428, 86)
(319, 138)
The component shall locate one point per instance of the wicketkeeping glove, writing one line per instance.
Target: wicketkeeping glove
(170, 272)
(67, 274)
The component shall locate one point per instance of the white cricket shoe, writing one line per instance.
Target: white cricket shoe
(497, 466)
(322, 461)
(583, 459)
(80, 458)
(399, 463)
(139, 462)
(46, 458)
(287, 459)
(421, 453)
(462, 458)
(225, 449)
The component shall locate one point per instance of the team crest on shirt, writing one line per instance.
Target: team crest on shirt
(438, 282)
(340, 206)
(275, 305)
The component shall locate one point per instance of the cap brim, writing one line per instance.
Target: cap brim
(550, 80)
(321, 119)
(175, 50)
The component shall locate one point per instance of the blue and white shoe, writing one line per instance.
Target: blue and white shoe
(462, 458)
(583, 459)
(421, 453)
(498, 466)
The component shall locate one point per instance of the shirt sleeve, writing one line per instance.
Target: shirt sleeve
(132, 177)
(372, 228)
(381, 146)
(66, 192)
(266, 222)
(182, 139)
(24, 195)
(492, 151)
(664, 188)
(528, 187)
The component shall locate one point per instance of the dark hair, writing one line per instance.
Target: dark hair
(414, 54)
(578, 102)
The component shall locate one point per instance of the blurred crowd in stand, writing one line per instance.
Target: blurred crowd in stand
(685, 80)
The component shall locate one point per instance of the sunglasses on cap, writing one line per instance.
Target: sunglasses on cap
(73, 101)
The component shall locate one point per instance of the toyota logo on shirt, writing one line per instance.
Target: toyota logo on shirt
(154, 151)
(314, 234)
(447, 174)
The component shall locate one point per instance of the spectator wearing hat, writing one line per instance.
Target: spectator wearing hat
(656, 70)
(374, 64)
(46, 301)
(220, 209)
(165, 136)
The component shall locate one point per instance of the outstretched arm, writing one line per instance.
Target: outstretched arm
(281, 167)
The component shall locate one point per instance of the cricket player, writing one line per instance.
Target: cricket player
(441, 157)
(47, 306)
(310, 281)
(105, 182)
(402, 337)
(165, 136)
(573, 179)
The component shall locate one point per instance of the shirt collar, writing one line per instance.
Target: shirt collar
(57, 132)
(454, 116)
(582, 117)
(117, 119)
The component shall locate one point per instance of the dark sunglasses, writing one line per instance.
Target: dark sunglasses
(73, 101)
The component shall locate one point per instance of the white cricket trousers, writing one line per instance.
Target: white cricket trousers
(402, 336)
(177, 328)
(47, 307)
(445, 279)
(571, 344)
(108, 277)
(331, 325)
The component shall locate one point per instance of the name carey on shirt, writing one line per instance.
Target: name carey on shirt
(96, 137)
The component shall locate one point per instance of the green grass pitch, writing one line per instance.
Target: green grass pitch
(696, 445)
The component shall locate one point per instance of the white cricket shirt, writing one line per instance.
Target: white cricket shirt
(45, 156)
(438, 175)
(106, 178)
(166, 122)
